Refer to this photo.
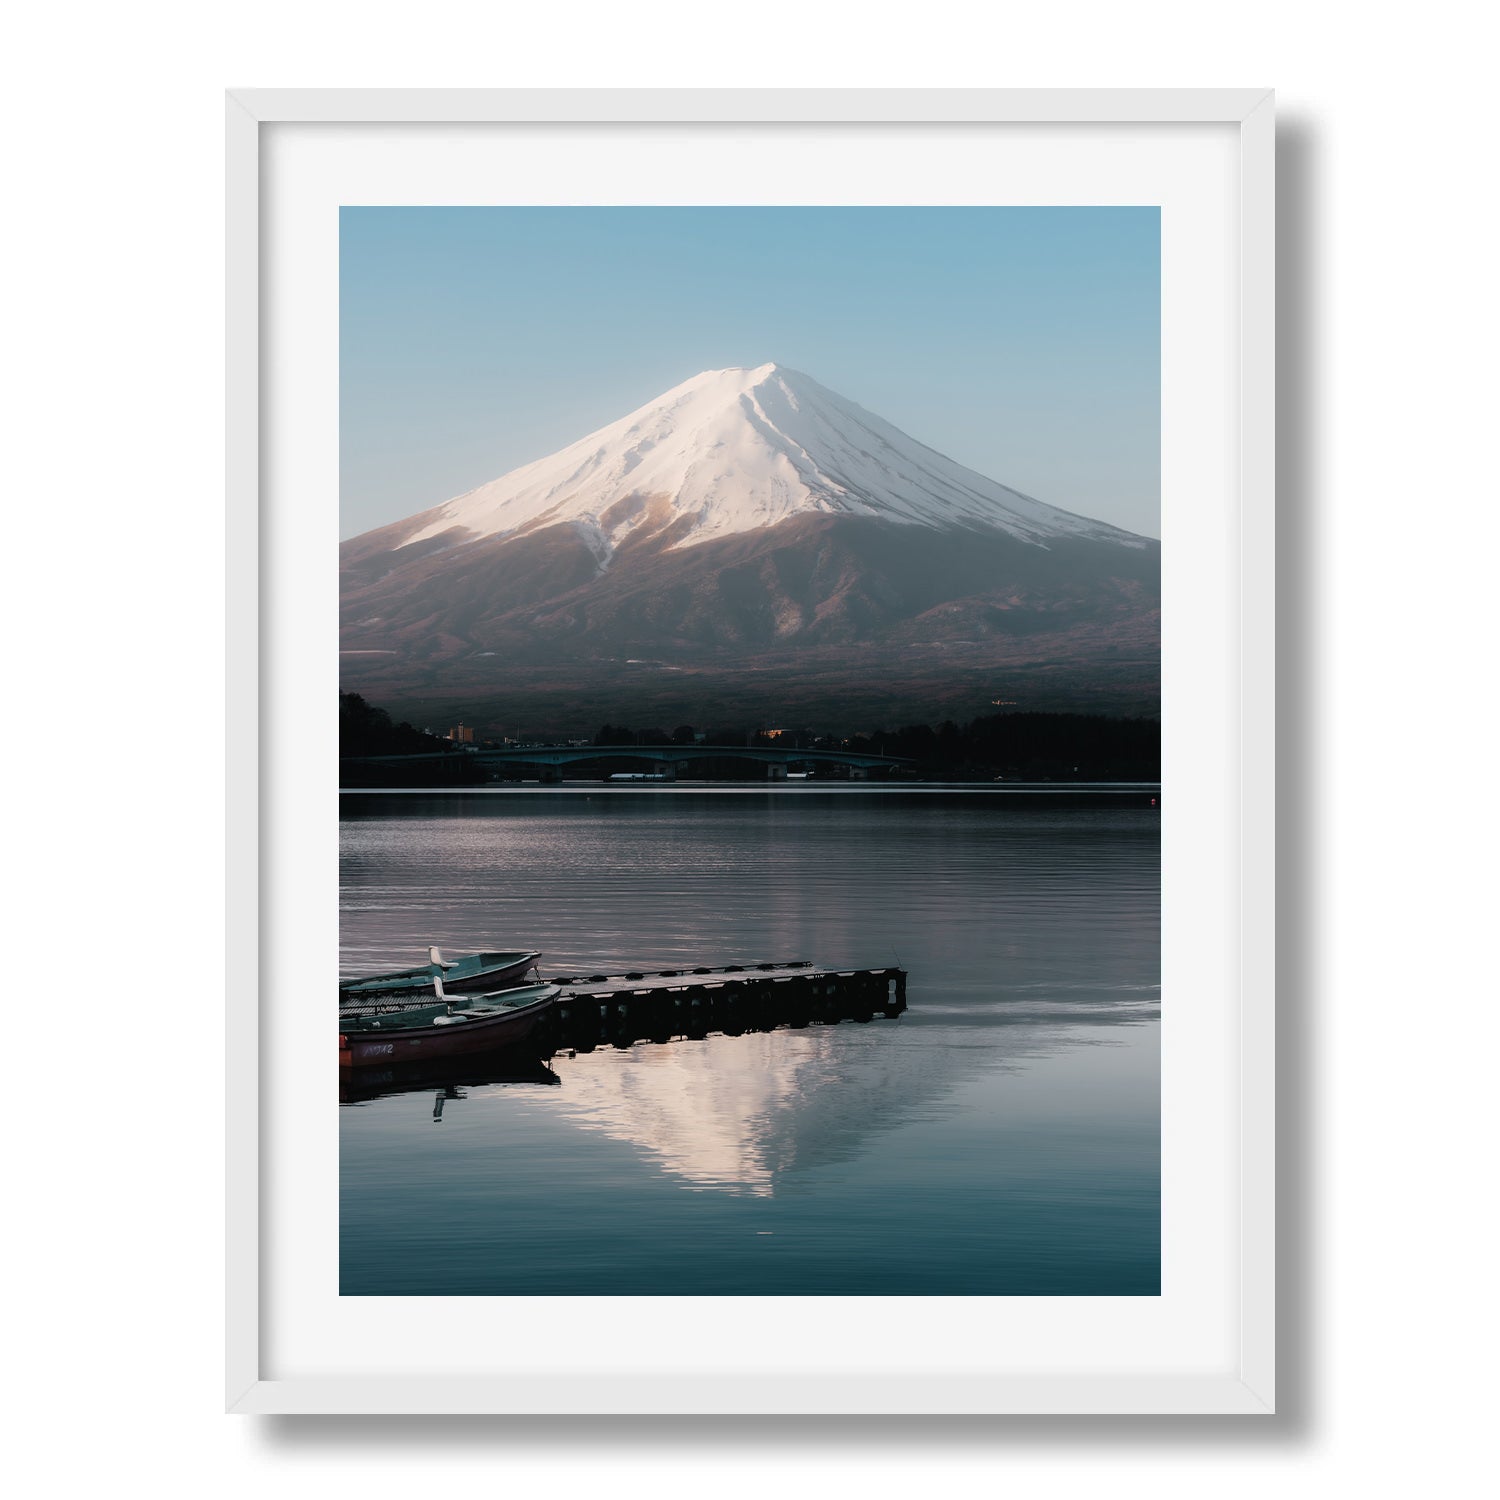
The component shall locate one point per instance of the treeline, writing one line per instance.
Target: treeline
(1082, 747)
(367, 730)
(1027, 746)
(684, 734)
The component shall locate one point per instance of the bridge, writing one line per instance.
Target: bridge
(668, 761)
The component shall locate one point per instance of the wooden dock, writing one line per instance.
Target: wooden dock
(618, 1009)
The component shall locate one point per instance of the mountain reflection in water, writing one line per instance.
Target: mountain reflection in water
(739, 1113)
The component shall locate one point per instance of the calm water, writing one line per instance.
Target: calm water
(1000, 1138)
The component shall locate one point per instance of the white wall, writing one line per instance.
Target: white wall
(1388, 492)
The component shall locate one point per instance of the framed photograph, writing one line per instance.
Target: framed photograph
(788, 575)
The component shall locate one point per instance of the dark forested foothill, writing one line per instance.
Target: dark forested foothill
(366, 730)
(1059, 747)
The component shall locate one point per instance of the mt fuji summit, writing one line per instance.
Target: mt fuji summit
(749, 541)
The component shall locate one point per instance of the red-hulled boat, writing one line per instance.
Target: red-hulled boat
(373, 1032)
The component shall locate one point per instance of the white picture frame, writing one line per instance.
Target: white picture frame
(1244, 1382)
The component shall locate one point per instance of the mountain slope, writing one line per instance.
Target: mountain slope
(746, 517)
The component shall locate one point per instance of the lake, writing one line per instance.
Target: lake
(999, 1138)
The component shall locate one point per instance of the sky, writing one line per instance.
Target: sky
(1023, 342)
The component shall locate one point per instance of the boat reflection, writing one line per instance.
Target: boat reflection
(448, 1075)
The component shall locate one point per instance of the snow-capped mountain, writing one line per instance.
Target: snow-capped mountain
(748, 521)
(738, 450)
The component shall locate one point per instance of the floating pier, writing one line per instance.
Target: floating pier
(642, 1005)
(619, 1010)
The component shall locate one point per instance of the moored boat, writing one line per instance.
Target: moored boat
(374, 1033)
(473, 972)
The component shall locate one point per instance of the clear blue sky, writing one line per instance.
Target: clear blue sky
(1023, 342)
